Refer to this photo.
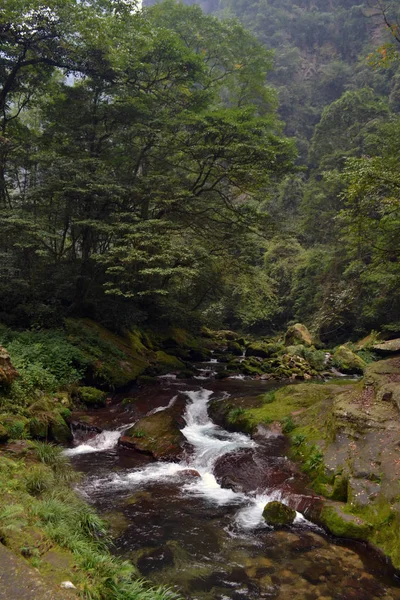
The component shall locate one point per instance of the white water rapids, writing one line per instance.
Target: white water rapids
(209, 443)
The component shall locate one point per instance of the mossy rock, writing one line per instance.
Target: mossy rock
(298, 334)
(60, 432)
(92, 396)
(344, 524)
(167, 362)
(278, 514)
(259, 350)
(234, 348)
(112, 360)
(199, 354)
(347, 361)
(158, 434)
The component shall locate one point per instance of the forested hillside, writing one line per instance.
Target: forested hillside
(168, 165)
(334, 262)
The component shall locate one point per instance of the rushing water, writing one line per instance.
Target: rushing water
(181, 528)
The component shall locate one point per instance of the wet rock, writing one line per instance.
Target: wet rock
(278, 514)
(159, 434)
(298, 334)
(247, 470)
(8, 373)
(188, 474)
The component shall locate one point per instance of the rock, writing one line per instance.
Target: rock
(234, 348)
(61, 433)
(298, 334)
(347, 361)
(278, 514)
(344, 524)
(7, 371)
(389, 347)
(68, 585)
(92, 396)
(158, 434)
(264, 350)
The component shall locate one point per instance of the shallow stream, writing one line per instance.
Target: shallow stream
(182, 529)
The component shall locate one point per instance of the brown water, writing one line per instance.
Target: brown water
(206, 541)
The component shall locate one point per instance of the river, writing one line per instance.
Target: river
(207, 542)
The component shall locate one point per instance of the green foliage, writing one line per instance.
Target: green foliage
(314, 460)
(288, 424)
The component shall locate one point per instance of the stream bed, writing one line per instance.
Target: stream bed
(207, 542)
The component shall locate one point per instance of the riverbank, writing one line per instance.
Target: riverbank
(345, 435)
(51, 377)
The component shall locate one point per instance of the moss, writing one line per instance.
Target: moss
(60, 432)
(112, 360)
(234, 348)
(344, 524)
(92, 396)
(287, 400)
(168, 361)
(278, 514)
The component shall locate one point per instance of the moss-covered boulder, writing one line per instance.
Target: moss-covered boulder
(278, 514)
(60, 432)
(7, 371)
(264, 350)
(234, 348)
(298, 334)
(92, 396)
(158, 434)
(347, 361)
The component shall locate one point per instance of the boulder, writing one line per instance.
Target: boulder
(92, 396)
(347, 361)
(158, 434)
(7, 371)
(388, 347)
(278, 514)
(298, 334)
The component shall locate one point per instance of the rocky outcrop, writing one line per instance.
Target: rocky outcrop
(7, 371)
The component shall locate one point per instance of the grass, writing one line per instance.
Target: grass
(41, 512)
